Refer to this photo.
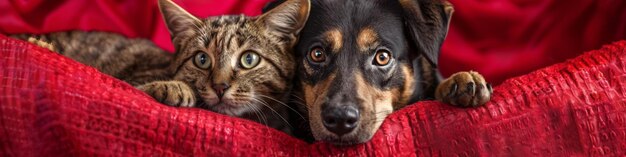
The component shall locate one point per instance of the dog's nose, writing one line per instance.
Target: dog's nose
(220, 88)
(340, 120)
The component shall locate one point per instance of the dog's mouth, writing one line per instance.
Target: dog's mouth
(346, 125)
(361, 134)
(355, 137)
(347, 114)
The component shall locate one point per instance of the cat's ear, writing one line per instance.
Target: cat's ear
(287, 19)
(178, 20)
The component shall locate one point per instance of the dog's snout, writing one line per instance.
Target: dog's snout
(340, 120)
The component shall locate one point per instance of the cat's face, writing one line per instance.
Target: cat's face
(236, 64)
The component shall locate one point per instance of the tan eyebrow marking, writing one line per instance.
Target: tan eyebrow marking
(335, 38)
(366, 38)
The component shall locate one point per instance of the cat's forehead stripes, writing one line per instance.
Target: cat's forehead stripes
(227, 32)
(222, 21)
(227, 23)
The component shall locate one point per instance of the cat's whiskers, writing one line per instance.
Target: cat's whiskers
(281, 103)
(257, 112)
(267, 105)
(300, 101)
(301, 104)
(296, 96)
(255, 108)
(203, 105)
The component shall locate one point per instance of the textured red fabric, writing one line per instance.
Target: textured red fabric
(53, 106)
(498, 38)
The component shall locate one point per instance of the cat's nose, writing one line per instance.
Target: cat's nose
(220, 89)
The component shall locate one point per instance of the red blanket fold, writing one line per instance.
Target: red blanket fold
(53, 106)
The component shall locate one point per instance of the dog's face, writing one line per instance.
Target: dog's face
(358, 60)
(355, 67)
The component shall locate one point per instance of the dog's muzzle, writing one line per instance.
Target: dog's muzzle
(340, 119)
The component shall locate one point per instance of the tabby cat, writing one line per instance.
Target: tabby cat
(235, 65)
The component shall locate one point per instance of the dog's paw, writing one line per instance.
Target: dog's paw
(464, 89)
(173, 93)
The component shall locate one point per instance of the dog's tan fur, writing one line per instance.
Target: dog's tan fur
(402, 96)
(312, 97)
(366, 39)
(335, 38)
(376, 103)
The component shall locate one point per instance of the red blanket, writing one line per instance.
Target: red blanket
(53, 106)
(498, 38)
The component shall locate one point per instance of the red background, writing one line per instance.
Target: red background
(498, 38)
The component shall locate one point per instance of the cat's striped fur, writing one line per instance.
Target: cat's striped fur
(235, 65)
(136, 61)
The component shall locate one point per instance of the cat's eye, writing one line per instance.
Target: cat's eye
(250, 59)
(383, 57)
(317, 55)
(201, 60)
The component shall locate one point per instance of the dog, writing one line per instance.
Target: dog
(360, 60)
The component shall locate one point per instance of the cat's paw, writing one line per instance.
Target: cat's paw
(41, 43)
(464, 89)
(173, 93)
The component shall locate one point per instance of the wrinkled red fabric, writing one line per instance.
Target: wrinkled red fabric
(498, 38)
(53, 106)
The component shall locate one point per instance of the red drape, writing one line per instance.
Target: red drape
(505, 38)
(133, 18)
(498, 38)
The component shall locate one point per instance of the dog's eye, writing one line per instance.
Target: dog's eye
(202, 60)
(382, 57)
(318, 55)
(250, 59)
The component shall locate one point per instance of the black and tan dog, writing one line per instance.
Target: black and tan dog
(359, 60)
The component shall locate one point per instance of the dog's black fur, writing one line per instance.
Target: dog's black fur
(411, 30)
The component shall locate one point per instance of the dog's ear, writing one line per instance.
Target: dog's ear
(178, 20)
(427, 24)
(286, 20)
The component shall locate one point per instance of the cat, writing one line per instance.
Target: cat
(235, 65)
(136, 61)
